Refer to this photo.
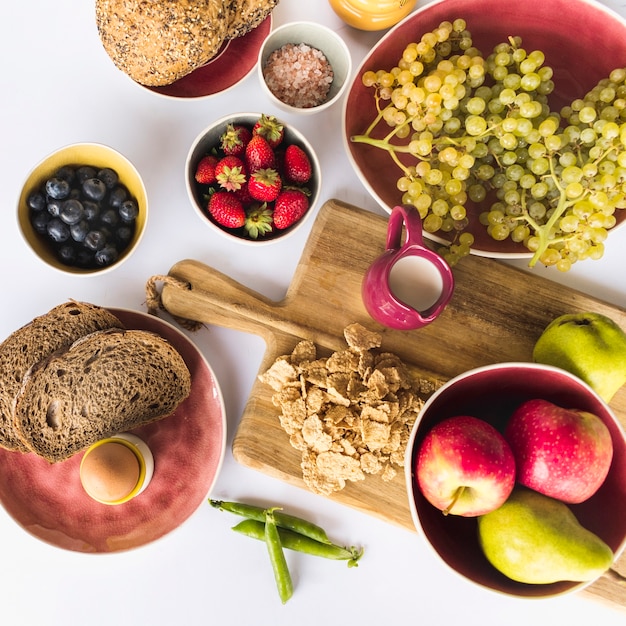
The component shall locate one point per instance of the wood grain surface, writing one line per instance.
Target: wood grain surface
(496, 314)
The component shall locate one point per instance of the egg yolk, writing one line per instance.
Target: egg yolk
(110, 472)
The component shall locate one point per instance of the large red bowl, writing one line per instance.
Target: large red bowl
(492, 393)
(582, 41)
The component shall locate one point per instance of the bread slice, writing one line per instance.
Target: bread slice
(107, 382)
(61, 326)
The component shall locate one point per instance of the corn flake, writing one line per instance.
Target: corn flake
(350, 414)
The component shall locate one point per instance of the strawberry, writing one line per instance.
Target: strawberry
(265, 185)
(205, 171)
(230, 173)
(259, 220)
(259, 154)
(243, 195)
(296, 164)
(226, 209)
(235, 139)
(289, 207)
(270, 128)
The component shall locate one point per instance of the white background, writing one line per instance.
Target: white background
(59, 87)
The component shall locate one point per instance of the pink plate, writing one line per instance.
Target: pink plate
(48, 501)
(582, 41)
(235, 61)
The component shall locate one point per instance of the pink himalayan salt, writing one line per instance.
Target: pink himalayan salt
(298, 75)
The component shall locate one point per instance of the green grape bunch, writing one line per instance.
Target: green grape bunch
(463, 128)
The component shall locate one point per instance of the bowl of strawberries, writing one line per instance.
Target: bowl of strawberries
(252, 178)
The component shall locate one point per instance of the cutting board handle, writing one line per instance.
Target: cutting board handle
(210, 297)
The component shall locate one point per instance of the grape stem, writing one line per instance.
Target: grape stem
(543, 232)
(385, 144)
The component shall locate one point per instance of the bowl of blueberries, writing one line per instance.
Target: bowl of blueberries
(83, 209)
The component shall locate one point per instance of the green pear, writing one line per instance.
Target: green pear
(589, 345)
(536, 539)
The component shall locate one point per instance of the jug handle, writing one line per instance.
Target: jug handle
(408, 217)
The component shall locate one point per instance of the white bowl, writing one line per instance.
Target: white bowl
(317, 36)
(209, 138)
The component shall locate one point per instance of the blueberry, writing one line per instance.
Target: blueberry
(57, 188)
(117, 196)
(40, 221)
(92, 210)
(67, 254)
(84, 172)
(108, 176)
(36, 201)
(84, 258)
(109, 217)
(129, 211)
(54, 207)
(57, 230)
(94, 189)
(95, 240)
(79, 231)
(124, 234)
(67, 172)
(72, 211)
(107, 255)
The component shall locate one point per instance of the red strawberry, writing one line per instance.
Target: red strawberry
(230, 173)
(297, 165)
(243, 195)
(270, 128)
(259, 154)
(235, 139)
(265, 185)
(289, 207)
(259, 220)
(226, 209)
(205, 171)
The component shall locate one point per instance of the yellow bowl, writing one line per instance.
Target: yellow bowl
(98, 156)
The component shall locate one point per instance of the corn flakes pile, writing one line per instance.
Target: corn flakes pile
(349, 414)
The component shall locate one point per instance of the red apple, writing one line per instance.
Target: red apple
(465, 467)
(562, 453)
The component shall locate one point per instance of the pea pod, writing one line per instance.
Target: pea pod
(283, 520)
(282, 575)
(301, 543)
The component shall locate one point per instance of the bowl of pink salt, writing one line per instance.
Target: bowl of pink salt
(304, 67)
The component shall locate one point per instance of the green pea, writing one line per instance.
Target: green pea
(283, 520)
(282, 575)
(301, 543)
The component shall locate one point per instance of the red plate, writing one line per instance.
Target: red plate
(235, 61)
(48, 501)
(582, 41)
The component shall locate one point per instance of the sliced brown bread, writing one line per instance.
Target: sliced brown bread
(59, 327)
(106, 382)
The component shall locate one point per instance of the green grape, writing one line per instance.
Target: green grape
(556, 178)
(432, 223)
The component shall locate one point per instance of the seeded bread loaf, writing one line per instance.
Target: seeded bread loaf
(156, 42)
(106, 382)
(246, 15)
(60, 327)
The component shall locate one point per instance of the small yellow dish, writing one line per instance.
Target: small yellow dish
(116, 469)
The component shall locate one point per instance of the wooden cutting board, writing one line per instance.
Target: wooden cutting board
(496, 314)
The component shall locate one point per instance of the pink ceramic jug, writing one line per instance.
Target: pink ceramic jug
(409, 285)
